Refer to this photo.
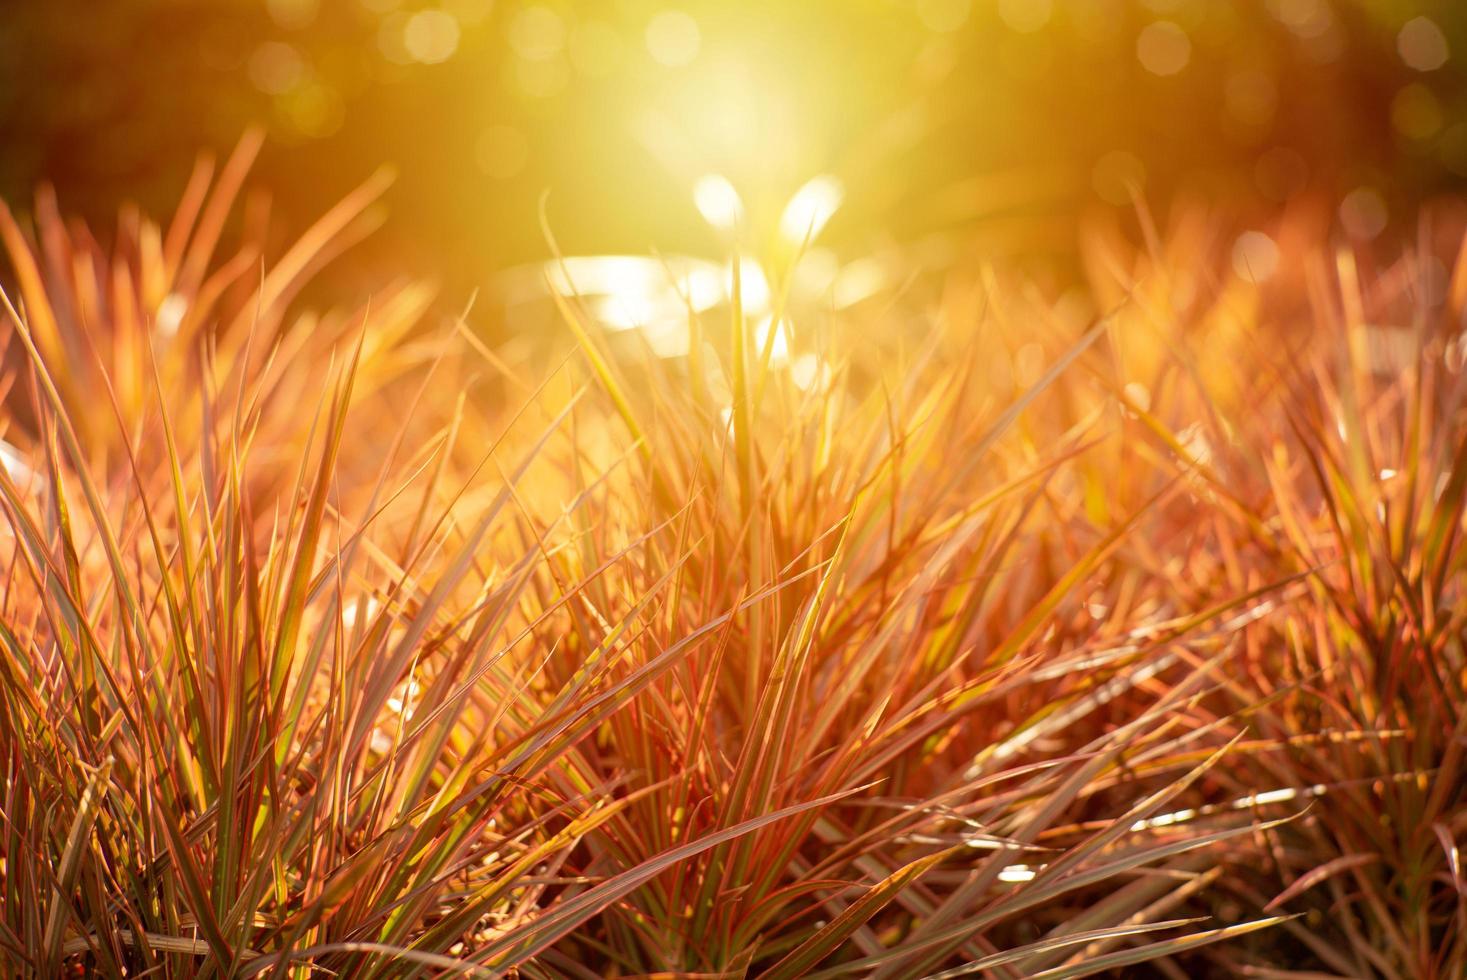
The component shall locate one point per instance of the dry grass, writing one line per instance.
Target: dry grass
(1011, 646)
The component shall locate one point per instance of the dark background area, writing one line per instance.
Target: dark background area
(942, 117)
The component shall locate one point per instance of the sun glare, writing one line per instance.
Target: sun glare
(733, 488)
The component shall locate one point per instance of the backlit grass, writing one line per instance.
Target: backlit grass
(977, 632)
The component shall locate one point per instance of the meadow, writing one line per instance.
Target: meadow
(956, 628)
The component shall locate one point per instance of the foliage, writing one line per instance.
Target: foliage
(337, 644)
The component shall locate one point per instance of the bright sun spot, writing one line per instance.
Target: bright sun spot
(810, 208)
(718, 202)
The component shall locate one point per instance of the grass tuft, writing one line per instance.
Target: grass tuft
(1033, 643)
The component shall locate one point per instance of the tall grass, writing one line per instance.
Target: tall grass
(1027, 643)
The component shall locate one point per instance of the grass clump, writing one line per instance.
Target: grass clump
(1024, 645)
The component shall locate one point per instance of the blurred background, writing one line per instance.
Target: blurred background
(943, 127)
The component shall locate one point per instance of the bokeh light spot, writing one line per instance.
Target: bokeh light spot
(1163, 48)
(1422, 45)
(1025, 16)
(312, 110)
(1138, 394)
(1251, 97)
(390, 39)
(673, 39)
(1305, 18)
(943, 16)
(807, 372)
(718, 202)
(858, 281)
(1255, 257)
(293, 14)
(276, 67)
(754, 286)
(1118, 175)
(1415, 112)
(1363, 213)
(772, 340)
(431, 36)
(810, 208)
(170, 315)
(537, 33)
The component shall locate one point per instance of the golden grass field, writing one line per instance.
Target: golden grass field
(1043, 644)
(758, 616)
